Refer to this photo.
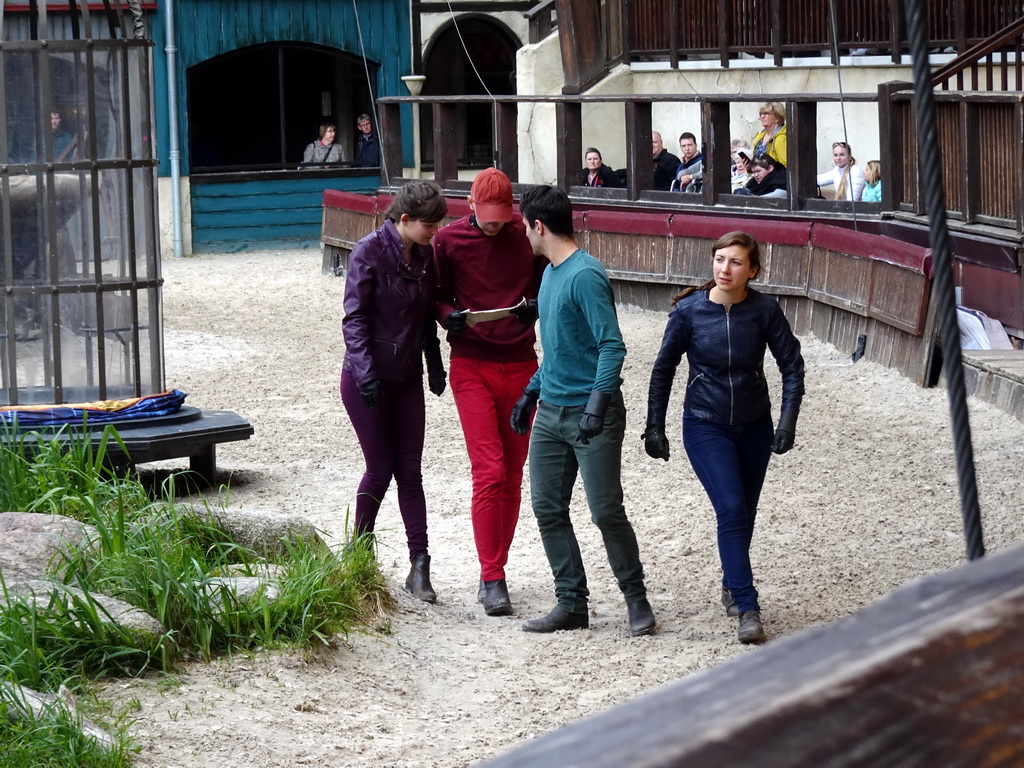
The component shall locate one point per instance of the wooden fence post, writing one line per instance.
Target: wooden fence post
(891, 146)
(446, 166)
(802, 152)
(638, 148)
(569, 142)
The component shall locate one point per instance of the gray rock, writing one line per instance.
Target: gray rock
(121, 613)
(263, 531)
(26, 703)
(243, 588)
(29, 541)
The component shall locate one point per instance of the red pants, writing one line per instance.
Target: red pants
(484, 394)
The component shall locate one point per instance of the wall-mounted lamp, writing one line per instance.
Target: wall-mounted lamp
(415, 85)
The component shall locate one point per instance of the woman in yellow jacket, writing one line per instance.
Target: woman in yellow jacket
(772, 138)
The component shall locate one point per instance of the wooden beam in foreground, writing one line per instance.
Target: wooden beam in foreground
(932, 674)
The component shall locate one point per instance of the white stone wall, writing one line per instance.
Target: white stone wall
(538, 73)
(430, 23)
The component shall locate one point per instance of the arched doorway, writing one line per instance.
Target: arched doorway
(449, 71)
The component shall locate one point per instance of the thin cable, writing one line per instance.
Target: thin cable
(466, 50)
(929, 152)
(842, 103)
(369, 84)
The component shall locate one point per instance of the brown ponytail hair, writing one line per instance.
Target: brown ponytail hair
(741, 239)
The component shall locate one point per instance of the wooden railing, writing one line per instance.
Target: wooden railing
(995, 63)
(597, 34)
(542, 19)
(981, 189)
(680, 29)
(978, 191)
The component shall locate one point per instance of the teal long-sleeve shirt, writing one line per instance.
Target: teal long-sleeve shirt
(579, 330)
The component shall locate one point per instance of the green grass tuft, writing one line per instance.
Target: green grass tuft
(167, 560)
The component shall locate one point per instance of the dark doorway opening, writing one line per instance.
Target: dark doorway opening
(257, 108)
(449, 71)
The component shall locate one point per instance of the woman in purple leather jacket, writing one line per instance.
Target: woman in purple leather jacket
(388, 325)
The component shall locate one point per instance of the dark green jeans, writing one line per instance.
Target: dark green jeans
(556, 456)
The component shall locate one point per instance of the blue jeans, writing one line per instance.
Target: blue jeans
(730, 462)
(555, 458)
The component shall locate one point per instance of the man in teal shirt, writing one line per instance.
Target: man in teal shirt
(580, 418)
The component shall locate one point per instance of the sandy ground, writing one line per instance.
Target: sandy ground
(865, 502)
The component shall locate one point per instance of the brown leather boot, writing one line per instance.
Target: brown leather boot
(418, 580)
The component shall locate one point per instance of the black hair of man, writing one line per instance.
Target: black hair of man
(689, 136)
(548, 205)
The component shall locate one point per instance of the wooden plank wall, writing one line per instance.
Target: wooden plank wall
(838, 289)
(245, 215)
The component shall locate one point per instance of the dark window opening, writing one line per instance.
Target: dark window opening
(258, 108)
(450, 72)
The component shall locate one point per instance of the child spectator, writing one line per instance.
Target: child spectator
(872, 182)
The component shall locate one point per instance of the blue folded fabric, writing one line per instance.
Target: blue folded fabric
(101, 412)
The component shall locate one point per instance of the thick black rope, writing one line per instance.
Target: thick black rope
(929, 150)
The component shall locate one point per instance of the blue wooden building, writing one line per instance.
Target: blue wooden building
(254, 81)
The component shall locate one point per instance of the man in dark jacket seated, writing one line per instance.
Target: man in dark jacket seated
(665, 164)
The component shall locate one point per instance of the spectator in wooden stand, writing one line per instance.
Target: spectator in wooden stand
(665, 164)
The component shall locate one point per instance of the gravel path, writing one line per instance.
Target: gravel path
(865, 502)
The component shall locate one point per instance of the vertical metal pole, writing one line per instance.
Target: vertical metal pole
(172, 117)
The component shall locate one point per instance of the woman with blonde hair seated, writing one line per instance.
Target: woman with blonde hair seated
(846, 176)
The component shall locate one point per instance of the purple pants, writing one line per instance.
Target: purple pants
(392, 441)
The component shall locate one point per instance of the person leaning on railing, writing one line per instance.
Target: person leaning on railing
(323, 151)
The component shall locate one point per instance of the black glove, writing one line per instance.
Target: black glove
(655, 442)
(527, 313)
(523, 409)
(785, 432)
(436, 376)
(455, 323)
(592, 423)
(436, 381)
(370, 392)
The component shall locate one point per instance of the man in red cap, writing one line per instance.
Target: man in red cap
(484, 261)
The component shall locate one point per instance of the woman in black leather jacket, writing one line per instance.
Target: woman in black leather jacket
(724, 328)
(388, 325)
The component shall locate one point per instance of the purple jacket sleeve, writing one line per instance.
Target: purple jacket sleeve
(358, 305)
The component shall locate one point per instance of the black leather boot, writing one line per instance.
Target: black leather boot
(557, 620)
(731, 609)
(418, 580)
(496, 600)
(641, 617)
